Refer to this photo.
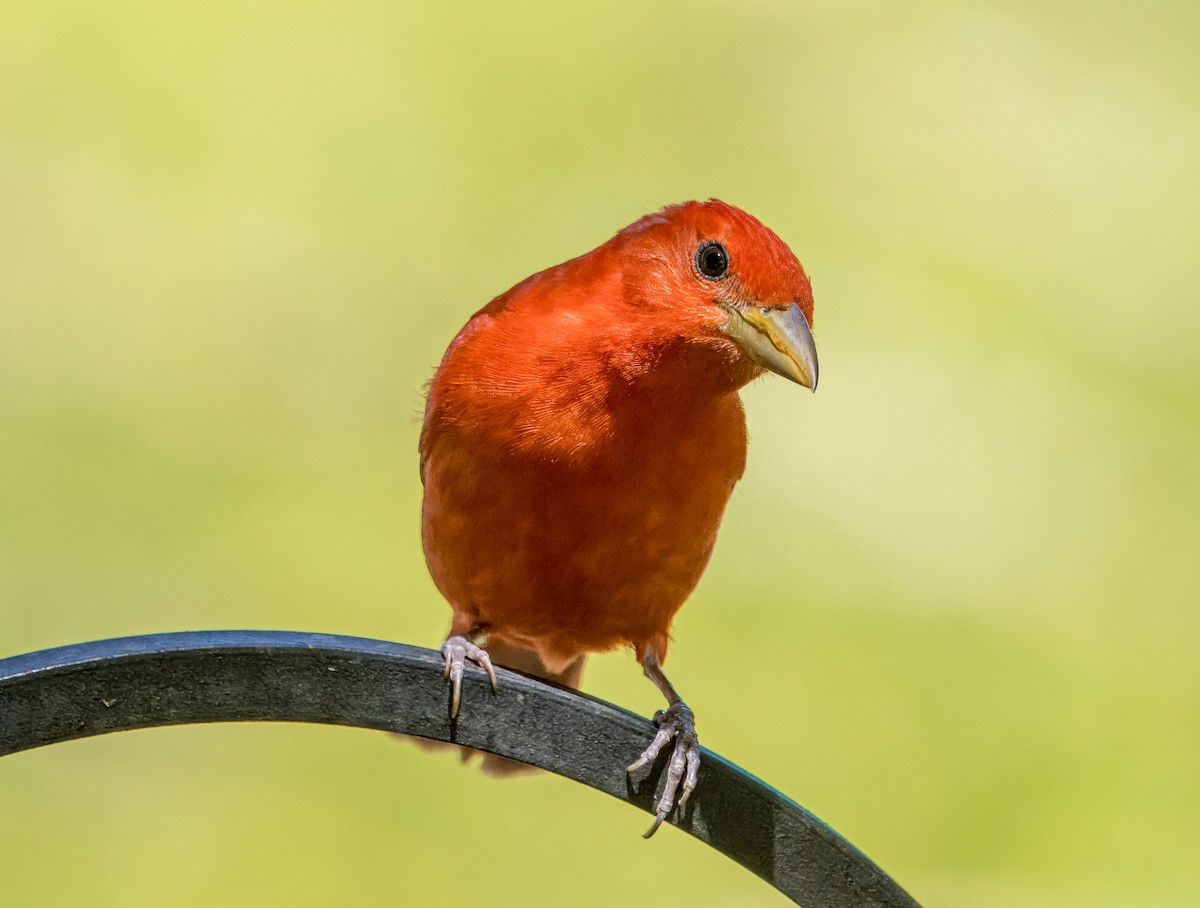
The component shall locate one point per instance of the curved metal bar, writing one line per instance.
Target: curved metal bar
(238, 676)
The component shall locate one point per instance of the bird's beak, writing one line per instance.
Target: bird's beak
(776, 339)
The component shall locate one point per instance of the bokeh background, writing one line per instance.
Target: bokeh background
(953, 609)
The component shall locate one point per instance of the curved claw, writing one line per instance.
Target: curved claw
(456, 652)
(679, 724)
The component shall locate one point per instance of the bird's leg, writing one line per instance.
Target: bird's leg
(677, 723)
(457, 651)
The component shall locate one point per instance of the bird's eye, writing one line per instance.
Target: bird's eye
(712, 260)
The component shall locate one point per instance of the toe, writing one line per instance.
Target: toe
(693, 771)
(665, 734)
(485, 662)
(683, 770)
(456, 675)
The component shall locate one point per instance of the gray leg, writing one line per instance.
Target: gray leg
(678, 723)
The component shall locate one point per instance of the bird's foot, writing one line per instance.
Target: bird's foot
(457, 651)
(677, 723)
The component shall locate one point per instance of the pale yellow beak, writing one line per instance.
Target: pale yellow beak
(776, 339)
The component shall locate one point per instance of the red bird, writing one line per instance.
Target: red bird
(582, 436)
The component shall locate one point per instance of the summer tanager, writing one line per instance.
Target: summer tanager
(582, 436)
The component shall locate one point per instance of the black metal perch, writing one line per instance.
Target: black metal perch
(239, 676)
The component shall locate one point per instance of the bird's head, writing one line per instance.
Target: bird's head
(728, 283)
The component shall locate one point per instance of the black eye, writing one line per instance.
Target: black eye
(712, 260)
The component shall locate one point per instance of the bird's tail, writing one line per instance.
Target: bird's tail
(528, 662)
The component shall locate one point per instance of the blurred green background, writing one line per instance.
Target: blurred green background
(953, 608)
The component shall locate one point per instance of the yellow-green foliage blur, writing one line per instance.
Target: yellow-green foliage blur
(953, 607)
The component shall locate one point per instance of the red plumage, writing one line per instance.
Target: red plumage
(583, 433)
